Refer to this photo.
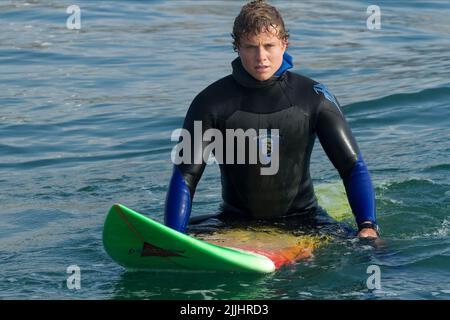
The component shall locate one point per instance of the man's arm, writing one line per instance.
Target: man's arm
(179, 198)
(178, 202)
(187, 174)
(341, 148)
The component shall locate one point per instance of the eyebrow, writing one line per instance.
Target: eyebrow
(257, 44)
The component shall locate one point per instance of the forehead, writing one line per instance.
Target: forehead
(264, 36)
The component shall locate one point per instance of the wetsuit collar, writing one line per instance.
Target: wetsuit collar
(287, 64)
(246, 80)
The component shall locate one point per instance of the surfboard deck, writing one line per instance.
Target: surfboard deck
(138, 242)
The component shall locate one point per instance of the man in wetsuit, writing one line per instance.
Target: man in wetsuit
(261, 94)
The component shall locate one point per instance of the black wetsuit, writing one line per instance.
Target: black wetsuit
(301, 109)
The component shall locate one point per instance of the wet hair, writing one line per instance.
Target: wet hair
(255, 17)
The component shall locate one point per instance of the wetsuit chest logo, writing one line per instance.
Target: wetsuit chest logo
(266, 143)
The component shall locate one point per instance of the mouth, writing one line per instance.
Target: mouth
(262, 69)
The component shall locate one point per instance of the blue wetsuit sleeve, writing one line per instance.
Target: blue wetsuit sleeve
(341, 148)
(187, 174)
(360, 192)
(178, 202)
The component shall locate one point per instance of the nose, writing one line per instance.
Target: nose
(261, 54)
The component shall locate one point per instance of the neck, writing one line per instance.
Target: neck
(246, 80)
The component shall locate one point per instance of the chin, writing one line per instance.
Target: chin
(262, 77)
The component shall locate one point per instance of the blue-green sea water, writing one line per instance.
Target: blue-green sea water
(86, 118)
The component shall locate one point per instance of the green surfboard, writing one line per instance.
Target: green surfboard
(138, 242)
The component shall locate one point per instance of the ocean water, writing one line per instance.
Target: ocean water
(86, 118)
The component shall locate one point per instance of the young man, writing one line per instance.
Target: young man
(289, 111)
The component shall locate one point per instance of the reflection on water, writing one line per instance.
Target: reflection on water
(191, 285)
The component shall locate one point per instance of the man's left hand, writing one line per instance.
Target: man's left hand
(367, 233)
(370, 236)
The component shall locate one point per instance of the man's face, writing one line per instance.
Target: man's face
(262, 54)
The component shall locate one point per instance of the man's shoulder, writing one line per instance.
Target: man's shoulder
(318, 91)
(212, 101)
(303, 89)
(301, 80)
(218, 91)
